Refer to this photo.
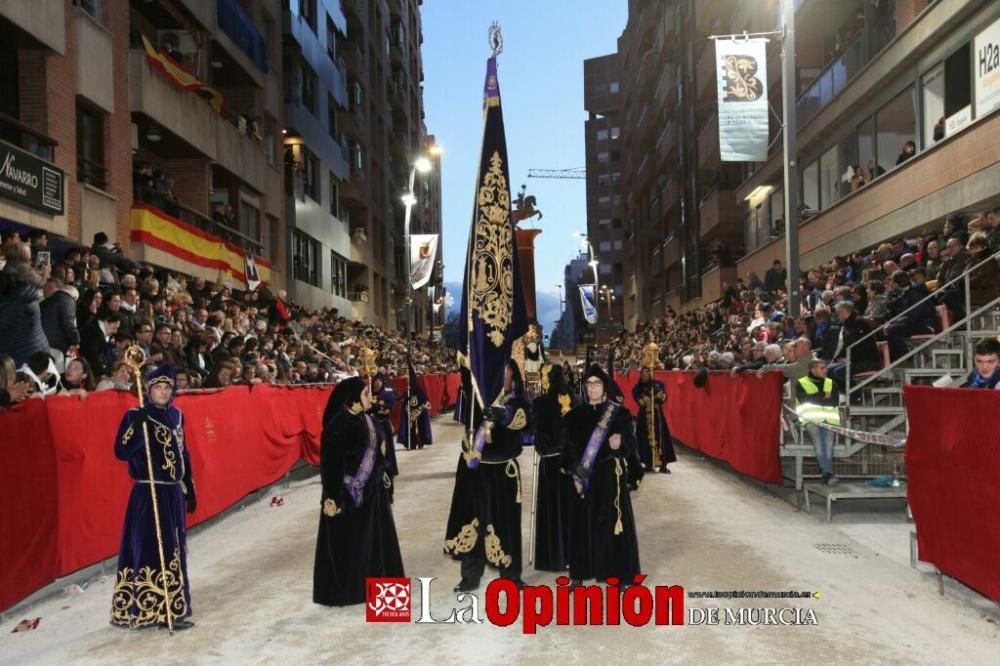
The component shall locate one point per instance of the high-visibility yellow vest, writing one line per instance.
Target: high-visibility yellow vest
(812, 413)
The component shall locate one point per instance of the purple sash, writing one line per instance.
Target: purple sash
(581, 473)
(473, 457)
(355, 485)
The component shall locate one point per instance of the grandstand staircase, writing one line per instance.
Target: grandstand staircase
(874, 401)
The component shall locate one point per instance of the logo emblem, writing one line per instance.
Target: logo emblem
(388, 600)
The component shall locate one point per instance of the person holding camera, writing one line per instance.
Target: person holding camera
(21, 333)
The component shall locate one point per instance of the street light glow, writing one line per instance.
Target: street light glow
(435, 150)
(423, 164)
(408, 198)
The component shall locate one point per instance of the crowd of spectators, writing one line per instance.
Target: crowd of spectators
(842, 302)
(65, 324)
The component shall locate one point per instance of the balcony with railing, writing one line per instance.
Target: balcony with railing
(25, 137)
(186, 123)
(720, 214)
(666, 143)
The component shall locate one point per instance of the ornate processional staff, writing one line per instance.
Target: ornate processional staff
(135, 357)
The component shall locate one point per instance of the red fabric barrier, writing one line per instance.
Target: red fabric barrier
(452, 387)
(952, 463)
(63, 492)
(735, 419)
(28, 502)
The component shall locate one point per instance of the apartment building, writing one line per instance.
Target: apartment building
(870, 76)
(603, 98)
(155, 123)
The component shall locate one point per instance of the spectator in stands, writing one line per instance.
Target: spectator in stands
(775, 278)
(956, 262)
(78, 377)
(196, 353)
(864, 356)
(97, 342)
(955, 226)
(39, 240)
(221, 377)
(992, 228)
(909, 150)
(932, 259)
(41, 370)
(797, 355)
(816, 401)
(21, 333)
(916, 314)
(986, 358)
(58, 312)
(119, 379)
(12, 389)
(984, 281)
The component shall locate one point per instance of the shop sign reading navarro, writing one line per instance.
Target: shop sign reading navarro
(30, 181)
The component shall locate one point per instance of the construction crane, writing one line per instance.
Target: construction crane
(578, 173)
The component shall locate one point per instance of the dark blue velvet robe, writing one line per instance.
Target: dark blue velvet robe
(641, 393)
(416, 417)
(138, 598)
(382, 406)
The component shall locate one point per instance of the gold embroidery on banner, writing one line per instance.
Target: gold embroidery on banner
(465, 540)
(493, 267)
(565, 404)
(546, 381)
(138, 598)
(494, 550)
(330, 508)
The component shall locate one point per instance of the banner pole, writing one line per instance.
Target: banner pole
(791, 156)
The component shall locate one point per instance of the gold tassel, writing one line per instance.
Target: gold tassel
(619, 528)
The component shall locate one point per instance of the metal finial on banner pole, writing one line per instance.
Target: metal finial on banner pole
(496, 39)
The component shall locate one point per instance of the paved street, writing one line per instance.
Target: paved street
(700, 527)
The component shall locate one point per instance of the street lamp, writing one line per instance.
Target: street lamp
(422, 164)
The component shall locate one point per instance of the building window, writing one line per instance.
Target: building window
(602, 135)
(249, 220)
(310, 175)
(777, 221)
(309, 87)
(896, 125)
(331, 39)
(357, 156)
(605, 246)
(866, 148)
(604, 157)
(90, 147)
(604, 202)
(810, 187)
(614, 88)
(828, 177)
(305, 258)
(616, 132)
(331, 116)
(92, 7)
(334, 195)
(604, 179)
(338, 275)
(619, 245)
(947, 90)
(307, 9)
(616, 177)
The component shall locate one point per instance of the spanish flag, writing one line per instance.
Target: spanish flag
(182, 78)
(189, 244)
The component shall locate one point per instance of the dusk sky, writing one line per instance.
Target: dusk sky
(541, 85)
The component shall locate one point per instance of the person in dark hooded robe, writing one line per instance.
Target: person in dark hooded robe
(484, 523)
(599, 445)
(357, 534)
(416, 417)
(145, 590)
(554, 490)
(656, 447)
(383, 399)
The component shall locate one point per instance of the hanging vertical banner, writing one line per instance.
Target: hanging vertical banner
(250, 274)
(741, 65)
(423, 250)
(588, 303)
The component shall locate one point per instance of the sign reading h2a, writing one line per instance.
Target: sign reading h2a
(30, 181)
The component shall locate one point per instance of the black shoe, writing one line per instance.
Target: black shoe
(466, 585)
(664, 470)
(823, 479)
(180, 625)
